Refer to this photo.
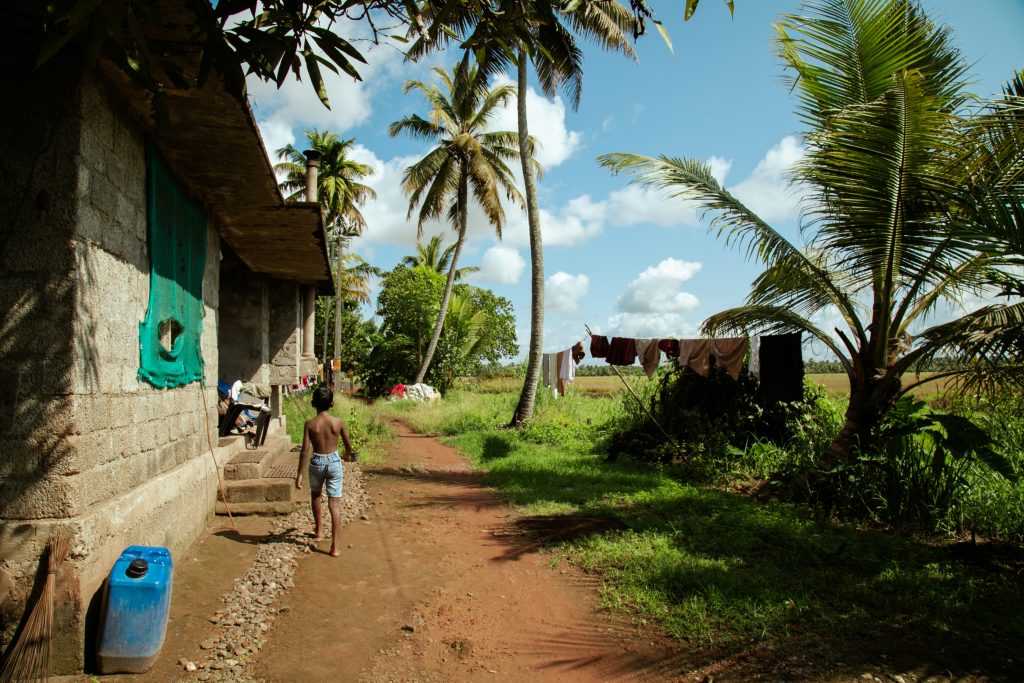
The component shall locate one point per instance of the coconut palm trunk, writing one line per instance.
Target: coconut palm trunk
(450, 281)
(338, 289)
(528, 397)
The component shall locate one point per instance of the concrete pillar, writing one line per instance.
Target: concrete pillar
(308, 321)
(276, 401)
(312, 169)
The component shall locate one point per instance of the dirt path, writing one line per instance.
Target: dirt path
(439, 584)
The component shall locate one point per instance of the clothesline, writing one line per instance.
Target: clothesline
(775, 360)
(643, 406)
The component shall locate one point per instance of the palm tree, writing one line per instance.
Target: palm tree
(339, 192)
(353, 287)
(508, 32)
(990, 340)
(467, 156)
(437, 259)
(881, 90)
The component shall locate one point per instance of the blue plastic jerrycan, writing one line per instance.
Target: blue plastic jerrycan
(135, 609)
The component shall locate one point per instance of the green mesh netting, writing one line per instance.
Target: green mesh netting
(169, 339)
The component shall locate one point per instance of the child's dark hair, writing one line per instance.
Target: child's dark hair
(323, 398)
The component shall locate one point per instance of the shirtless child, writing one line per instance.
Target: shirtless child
(320, 436)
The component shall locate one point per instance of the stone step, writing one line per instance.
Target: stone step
(254, 464)
(262, 481)
(267, 507)
(256, 491)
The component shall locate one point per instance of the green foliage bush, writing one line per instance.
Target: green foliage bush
(721, 428)
(917, 471)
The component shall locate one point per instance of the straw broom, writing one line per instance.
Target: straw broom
(29, 659)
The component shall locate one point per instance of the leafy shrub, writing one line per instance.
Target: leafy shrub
(922, 467)
(993, 505)
(721, 428)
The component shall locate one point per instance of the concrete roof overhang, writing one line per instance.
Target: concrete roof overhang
(211, 140)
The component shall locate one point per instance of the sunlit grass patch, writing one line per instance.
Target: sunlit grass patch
(370, 436)
(715, 569)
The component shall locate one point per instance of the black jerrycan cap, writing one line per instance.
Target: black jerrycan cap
(137, 568)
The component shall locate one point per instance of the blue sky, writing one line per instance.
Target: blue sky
(621, 259)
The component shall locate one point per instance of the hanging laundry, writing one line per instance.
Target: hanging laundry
(551, 376)
(670, 347)
(598, 346)
(754, 367)
(696, 355)
(545, 370)
(621, 351)
(566, 371)
(782, 368)
(649, 354)
(578, 353)
(729, 353)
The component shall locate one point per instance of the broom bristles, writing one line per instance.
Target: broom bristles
(29, 659)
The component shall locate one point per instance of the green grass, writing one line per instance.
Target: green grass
(370, 436)
(717, 569)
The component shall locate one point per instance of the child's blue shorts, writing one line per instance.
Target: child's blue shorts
(325, 470)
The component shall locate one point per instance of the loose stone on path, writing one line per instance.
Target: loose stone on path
(249, 609)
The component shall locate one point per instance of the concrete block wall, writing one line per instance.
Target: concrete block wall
(243, 324)
(37, 286)
(106, 455)
(285, 325)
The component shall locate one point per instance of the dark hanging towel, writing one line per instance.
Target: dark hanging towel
(598, 346)
(621, 351)
(782, 368)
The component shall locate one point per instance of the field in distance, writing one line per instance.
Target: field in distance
(835, 384)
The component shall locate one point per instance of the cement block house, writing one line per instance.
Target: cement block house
(139, 263)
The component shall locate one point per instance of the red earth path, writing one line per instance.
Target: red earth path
(442, 583)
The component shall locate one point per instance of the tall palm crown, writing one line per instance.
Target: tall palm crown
(355, 282)
(435, 256)
(466, 151)
(881, 91)
(468, 157)
(546, 31)
(338, 188)
(506, 32)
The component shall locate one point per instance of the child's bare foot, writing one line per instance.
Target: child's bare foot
(335, 552)
(315, 534)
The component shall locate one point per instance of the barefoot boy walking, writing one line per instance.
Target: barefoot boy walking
(320, 436)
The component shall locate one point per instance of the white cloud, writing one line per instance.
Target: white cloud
(766, 191)
(635, 204)
(577, 221)
(562, 291)
(647, 325)
(658, 289)
(500, 264)
(640, 204)
(276, 134)
(386, 215)
(546, 124)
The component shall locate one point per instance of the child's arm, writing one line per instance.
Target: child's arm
(304, 455)
(344, 438)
